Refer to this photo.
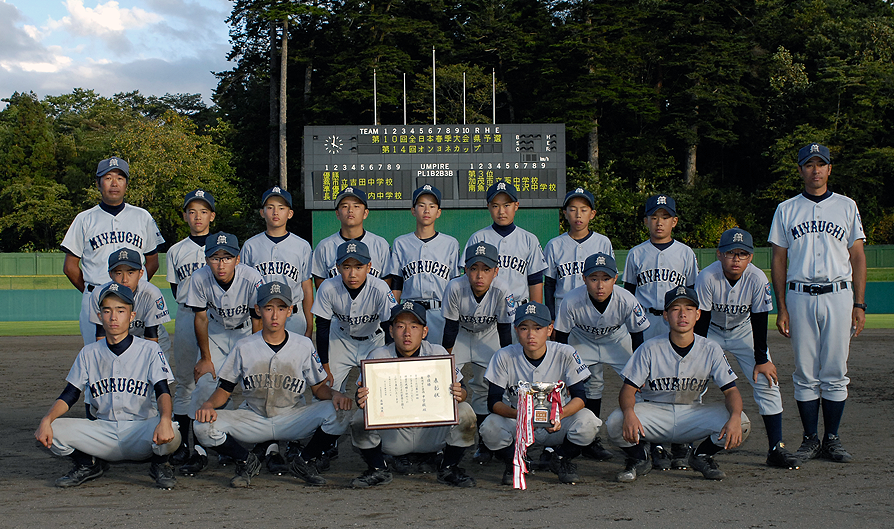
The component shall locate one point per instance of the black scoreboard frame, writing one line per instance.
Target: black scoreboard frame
(389, 161)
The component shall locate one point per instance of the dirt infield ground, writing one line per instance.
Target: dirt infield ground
(821, 494)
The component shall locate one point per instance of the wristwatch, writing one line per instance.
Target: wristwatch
(860, 306)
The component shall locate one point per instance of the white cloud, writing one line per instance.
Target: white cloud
(103, 19)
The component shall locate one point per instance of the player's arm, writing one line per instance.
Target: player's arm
(151, 264)
(458, 391)
(451, 331)
(778, 266)
(732, 430)
(578, 400)
(69, 396)
(207, 412)
(307, 286)
(762, 364)
(535, 287)
(317, 282)
(204, 365)
(322, 391)
(72, 270)
(630, 287)
(858, 264)
(173, 289)
(323, 326)
(495, 402)
(701, 326)
(632, 429)
(164, 432)
(549, 294)
(397, 285)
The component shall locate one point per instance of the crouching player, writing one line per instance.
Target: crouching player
(123, 374)
(672, 371)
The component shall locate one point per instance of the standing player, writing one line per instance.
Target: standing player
(521, 259)
(604, 323)
(478, 309)
(95, 233)
(672, 372)
(819, 275)
(184, 258)
(351, 209)
(409, 331)
(280, 255)
(123, 374)
(222, 295)
(274, 368)
(424, 261)
(734, 297)
(536, 359)
(565, 254)
(352, 310)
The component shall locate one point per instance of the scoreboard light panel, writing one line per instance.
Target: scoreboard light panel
(389, 162)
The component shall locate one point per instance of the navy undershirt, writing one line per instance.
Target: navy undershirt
(111, 210)
(816, 198)
(277, 240)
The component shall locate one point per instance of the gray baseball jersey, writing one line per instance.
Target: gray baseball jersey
(577, 316)
(324, 267)
(561, 362)
(425, 267)
(731, 306)
(273, 382)
(655, 271)
(226, 308)
(288, 261)
(358, 317)
(120, 387)
(479, 319)
(184, 258)
(520, 256)
(665, 377)
(149, 306)
(565, 260)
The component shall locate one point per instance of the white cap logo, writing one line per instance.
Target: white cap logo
(113, 287)
(600, 261)
(122, 254)
(113, 162)
(200, 193)
(348, 190)
(662, 199)
(681, 291)
(221, 239)
(737, 237)
(579, 190)
(276, 190)
(501, 186)
(479, 250)
(426, 187)
(814, 148)
(352, 248)
(274, 289)
(532, 309)
(408, 305)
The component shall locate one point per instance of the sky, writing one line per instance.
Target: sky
(51, 47)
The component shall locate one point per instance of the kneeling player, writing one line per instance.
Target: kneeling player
(408, 327)
(121, 373)
(536, 359)
(672, 371)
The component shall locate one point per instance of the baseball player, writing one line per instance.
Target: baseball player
(96, 232)
(351, 209)
(672, 371)
(604, 323)
(653, 268)
(479, 310)
(280, 255)
(409, 331)
(352, 310)
(222, 295)
(184, 258)
(536, 359)
(123, 374)
(565, 254)
(734, 298)
(274, 368)
(819, 275)
(424, 261)
(521, 258)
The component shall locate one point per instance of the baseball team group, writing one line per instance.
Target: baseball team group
(512, 315)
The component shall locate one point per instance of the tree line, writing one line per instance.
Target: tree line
(706, 100)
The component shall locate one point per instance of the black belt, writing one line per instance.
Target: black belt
(730, 328)
(428, 304)
(655, 312)
(815, 289)
(365, 338)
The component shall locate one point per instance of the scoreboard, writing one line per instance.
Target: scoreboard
(389, 162)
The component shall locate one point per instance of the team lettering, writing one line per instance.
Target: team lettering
(818, 226)
(228, 313)
(678, 384)
(186, 270)
(597, 331)
(116, 237)
(278, 268)
(730, 309)
(425, 267)
(274, 381)
(477, 320)
(139, 388)
(663, 275)
(514, 263)
(357, 320)
(569, 269)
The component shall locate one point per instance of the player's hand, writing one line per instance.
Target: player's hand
(44, 433)
(362, 395)
(769, 371)
(206, 414)
(164, 433)
(633, 429)
(858, 321)
(732, 432)
(202, 367)
(328, 380)
(456, 389)
(782, 323)
(557, 425)
(340, 401)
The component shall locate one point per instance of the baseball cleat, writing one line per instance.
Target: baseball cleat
(779, 457)
(224, 461)
(707, 466)
(245, 470)
(180, 456)
(565, 469)
(508, 476)
(195, 464)
(596, 451)
(400, 464)
(276, 464)
(809, 449)
(833, 451)
(483, 454)
(306, 471)
(163, 474)
(455, 476)
(371, 478)
(634, 468)
(79, 474)
(680, 456)
(661, 459)
(429, 463)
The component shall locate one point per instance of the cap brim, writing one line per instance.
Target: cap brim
(214, 249)
(482, 259)
(271, 297)
(607, 270)
(673, 212)
(735, 246)
(359, 259)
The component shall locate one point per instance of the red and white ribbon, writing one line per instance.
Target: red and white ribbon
(524, 437)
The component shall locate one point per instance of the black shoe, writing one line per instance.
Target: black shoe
(833, 451)
(195, 464)
(680, 456)
(596, 451)
(508, 474)
(306, 471)
(453, 475)
(565, 469)
(224, 461)
(661, 459)
(634, 468)
(543, 462)
(293, 449)
(707, 466)
(163, 474)
(79, 474)
(809, 449)
(371, 478)
(180, 456)
(483, 454)
(400, 465)
(779, 457)
(276, 464)
(332, 453)
(429, 463)
(245, 470)
(322, 463)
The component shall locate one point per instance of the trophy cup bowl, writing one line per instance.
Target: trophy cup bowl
(540, 392)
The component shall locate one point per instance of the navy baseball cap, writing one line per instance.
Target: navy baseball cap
(274, 290)
(112, 163)
(736, 238)
(482, 252)
(351, 192)
(582, 193)
(114, 289)
(199, 194)
(352, 249)
(600, 262)
(412, 307)
(427, 189)
(277, 191)
(502, 187)
(222, 241)
(814, 149)
(665, 202)
(533, 311)
(680, 292)
(126, 256)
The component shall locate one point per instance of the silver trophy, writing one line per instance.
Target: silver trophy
(540, 395)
